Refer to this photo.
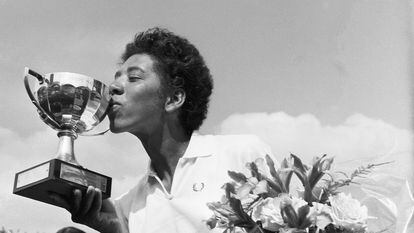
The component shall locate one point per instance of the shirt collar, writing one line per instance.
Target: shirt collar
(199, 146)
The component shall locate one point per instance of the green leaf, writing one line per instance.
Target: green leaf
(237, 207)
(297, 163)
(281, 187)
(317, 192)
(315, 171)
(302, 177)
(237, 176)
(289, 216)
(308, 194)
(255, 171)
(300, 170)
(318, 169)
(275, 186)
(303, 221)
(229, 188)
(270, 164)
(286, 176)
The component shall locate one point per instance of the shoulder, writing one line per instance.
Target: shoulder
(238, 148)
(245, 143)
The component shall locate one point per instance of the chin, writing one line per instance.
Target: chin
(113, 128)
(115, 131)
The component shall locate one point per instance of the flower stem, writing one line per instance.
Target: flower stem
(256, 229)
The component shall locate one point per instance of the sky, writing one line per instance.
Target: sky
(308, 77)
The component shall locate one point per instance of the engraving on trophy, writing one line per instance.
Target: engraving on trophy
(72, 104)
(85, 178)
(73, 174)
(33, 175)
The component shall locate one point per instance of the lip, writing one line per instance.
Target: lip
(114, 106)
(113, 102)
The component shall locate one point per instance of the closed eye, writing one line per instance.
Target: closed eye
(134, 73)
(134, 76)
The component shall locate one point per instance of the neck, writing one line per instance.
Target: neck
(165, 148)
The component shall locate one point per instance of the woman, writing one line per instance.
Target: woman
(160, 94)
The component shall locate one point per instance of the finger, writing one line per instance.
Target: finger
(96, 204)
(77, 198)
(87, 201)
(59, 200)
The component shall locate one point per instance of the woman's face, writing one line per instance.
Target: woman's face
(138, 101)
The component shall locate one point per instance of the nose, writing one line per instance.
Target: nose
(115, 88)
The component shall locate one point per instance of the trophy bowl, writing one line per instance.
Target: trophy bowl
(69, 101)
(72, 104)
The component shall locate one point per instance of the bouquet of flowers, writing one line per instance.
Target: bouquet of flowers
(263, 203)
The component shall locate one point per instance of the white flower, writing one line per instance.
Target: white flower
(297, 203)
(260, 188)
(348, 212)
(321, 214)
(244, 190)
(268, 212)
(250, 190)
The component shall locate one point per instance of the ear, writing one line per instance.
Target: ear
(175, 100)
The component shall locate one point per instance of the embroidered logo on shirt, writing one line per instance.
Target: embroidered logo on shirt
(197, 187)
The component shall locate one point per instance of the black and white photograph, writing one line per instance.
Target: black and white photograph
(266, 116)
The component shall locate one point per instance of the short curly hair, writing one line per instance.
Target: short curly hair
(183, 67)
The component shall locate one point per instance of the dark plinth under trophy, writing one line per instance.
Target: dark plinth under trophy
(59, 177)
(72, 104)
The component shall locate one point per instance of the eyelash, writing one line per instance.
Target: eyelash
(133, 77)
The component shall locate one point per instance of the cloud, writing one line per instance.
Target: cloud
(358, 140)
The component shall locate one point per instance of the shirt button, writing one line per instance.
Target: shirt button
(198, 186)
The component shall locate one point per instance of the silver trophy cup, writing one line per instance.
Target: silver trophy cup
(72, 104)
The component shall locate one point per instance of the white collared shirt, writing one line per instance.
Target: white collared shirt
(197, 180)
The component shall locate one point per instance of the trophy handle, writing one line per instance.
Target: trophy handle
(94, 134)
(43, 114)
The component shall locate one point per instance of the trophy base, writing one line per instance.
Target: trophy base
(59, 177)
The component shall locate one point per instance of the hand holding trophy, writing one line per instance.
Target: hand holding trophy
(71, 104)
